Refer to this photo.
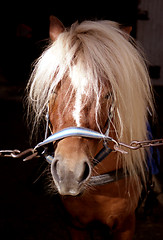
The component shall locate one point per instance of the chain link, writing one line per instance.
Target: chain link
(8, 153)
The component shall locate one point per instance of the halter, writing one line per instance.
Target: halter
(76, 132)
(84, 133)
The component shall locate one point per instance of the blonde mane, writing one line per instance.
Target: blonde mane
(98, 55)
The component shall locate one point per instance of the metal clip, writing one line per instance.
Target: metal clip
(118, 149)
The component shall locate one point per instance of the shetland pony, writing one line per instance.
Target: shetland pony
(93, 73)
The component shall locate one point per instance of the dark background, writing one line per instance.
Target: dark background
(27, 211)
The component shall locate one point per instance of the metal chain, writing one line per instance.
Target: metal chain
(31, 153)
(28, 154)
(135, 145)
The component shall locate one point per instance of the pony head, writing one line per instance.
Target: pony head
(92, 72)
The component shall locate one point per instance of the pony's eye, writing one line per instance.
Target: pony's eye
(107, 96)
(54, 94)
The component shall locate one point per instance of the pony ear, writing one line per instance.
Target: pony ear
(56, 27)
(126, 29)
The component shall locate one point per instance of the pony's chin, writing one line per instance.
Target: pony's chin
(71, 192)
(70, 196)
(55, 189)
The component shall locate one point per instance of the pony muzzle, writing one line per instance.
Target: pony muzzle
(70, 179)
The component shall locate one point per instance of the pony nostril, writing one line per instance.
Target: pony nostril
(54, 170)
(86, 172)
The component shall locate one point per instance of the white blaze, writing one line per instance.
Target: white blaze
(77, 108)
(79, 82)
